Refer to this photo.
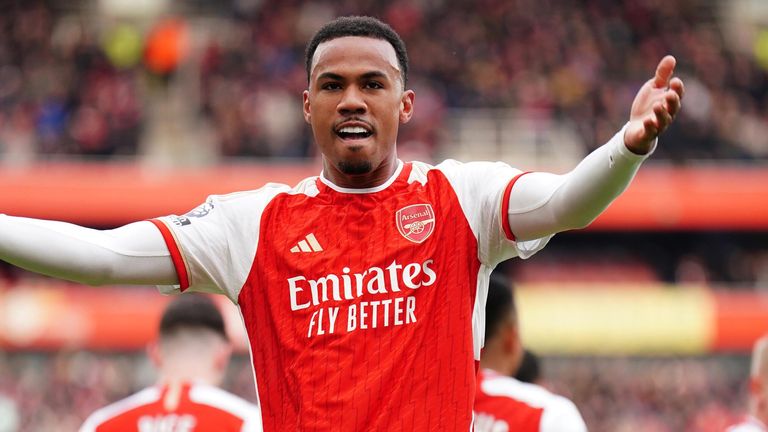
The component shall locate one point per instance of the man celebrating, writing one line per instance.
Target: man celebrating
(191, 355)
(362, 289)
(503, 403)
(757, 419)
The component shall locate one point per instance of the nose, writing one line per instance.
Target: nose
(352, 102)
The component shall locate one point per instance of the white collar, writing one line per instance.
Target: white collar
(378, 188)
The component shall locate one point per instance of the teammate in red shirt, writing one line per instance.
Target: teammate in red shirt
(191, 355)
(362, 289)
(503, 403)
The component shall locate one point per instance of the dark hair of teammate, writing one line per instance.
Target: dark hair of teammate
(530, 369)
(358, 26)
(500, 306)
(191, 311)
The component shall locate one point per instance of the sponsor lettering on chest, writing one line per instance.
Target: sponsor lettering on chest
(382, 287)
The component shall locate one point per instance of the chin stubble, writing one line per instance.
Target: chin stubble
(354, 168)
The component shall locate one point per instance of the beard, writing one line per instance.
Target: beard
(355, 167)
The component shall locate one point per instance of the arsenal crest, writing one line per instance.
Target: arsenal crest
(415, 222)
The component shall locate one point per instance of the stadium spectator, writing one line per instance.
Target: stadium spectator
(503, 403)
(62, 92)
(757, 418)
(323, 301)
(191, 355)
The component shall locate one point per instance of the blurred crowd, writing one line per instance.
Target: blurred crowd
(74, 81)
(702, 394)
(57, 391)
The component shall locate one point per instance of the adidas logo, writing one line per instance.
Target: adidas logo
(309, 244)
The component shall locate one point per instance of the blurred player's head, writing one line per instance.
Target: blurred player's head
(356, 97)
(192, 343)
(758, 383)
(530, 369)
(503, 350)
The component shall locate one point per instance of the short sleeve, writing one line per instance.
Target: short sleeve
(214, 245)
(483, 190)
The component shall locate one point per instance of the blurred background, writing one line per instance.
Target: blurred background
(118, 110)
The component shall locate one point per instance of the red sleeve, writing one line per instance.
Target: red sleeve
(173, 248)
(505, 207)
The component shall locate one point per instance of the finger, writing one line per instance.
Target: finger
(651, 129)
(663, 117)
(664, 72)
(676, 84)
(673, 103)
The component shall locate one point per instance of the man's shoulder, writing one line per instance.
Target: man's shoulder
(307, 186)
(116, 409)
(456, 170)
(530, 394)
(221, 399)
(262, 196)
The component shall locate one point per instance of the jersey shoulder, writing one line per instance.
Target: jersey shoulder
(308, 186)
(142, 398)
(531, 394)
(221, 399)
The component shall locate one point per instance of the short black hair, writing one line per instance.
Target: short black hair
(499, 305)
(364, 26)
(195, 311)
(530, 369)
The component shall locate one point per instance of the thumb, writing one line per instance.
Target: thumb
(664, 72)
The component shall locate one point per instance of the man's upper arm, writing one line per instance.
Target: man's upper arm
(213, 246)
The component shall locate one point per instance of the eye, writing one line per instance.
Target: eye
(374, 85)
(331, 85)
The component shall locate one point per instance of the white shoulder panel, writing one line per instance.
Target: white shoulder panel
(144, 397)
(218, 239)
(559, 413)
(225, 401)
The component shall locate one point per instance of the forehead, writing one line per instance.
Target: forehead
(351, 54)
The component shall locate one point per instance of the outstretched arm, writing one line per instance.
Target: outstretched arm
(132, 254)
(542, 204)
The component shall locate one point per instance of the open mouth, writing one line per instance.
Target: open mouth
(353, 132)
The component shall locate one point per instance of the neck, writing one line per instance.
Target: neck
(496, 363)
(190, 372)
(375, 177)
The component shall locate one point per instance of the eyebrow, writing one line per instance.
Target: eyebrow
(365, 76)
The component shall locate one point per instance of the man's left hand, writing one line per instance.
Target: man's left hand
(655, 106)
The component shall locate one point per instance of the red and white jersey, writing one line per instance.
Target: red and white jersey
(181, 407)
(505, 404)
(750, 424)
(364, 307)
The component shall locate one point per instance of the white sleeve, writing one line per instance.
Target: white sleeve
(214, 245)
(482, 189)
(561, 415)
(542, 204)
(132, 254)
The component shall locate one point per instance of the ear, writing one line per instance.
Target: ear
(154, 354)
(305, 106)
(406, 106)
(221, 360)
(511, 339)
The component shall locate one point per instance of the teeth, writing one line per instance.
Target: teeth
(353, 130)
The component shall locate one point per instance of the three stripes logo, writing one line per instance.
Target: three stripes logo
(309, 244)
